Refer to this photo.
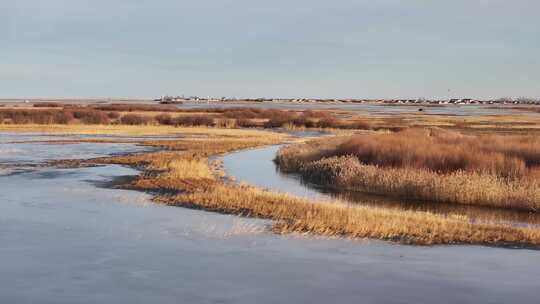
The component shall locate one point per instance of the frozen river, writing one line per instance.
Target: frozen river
(371, 108)
(256, 167)
(66, 239)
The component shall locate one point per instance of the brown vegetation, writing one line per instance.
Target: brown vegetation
(274, 118)
(48, 105)
(90, 117)
(431, 165)
(24, 116)
(194, 121)
(53, 116)
(443, 152)
(57, 113)
(247, 117)
(189, 181)
(134, 119)
(337, 219)
(135, 108)
(181, 174)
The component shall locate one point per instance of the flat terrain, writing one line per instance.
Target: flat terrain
(143, 208)
(69, 240)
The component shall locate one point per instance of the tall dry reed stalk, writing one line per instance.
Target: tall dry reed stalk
(432, 165)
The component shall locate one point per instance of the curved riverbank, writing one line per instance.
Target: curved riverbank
(66, 241)
(257, 167)
(429, 165)
(179, 174)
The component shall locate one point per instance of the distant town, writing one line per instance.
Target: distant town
(422, 101)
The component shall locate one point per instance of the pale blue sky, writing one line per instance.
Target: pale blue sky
(302, 48)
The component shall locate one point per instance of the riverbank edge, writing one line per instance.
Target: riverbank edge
(200, 197)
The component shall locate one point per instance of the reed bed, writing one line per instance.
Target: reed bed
(430, 165)
(446, 151)
(180, 175)
(148, 130)
(143, 114)
(293, 214)
(120, 107)
(48, 105)
(154, 114)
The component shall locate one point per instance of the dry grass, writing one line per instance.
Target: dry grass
(135, 108)
(47, 116)
(182, 176)
(38, 116)
(134, 119)
(183, 164)
(144, 114)
(136, 130)
(56, 113)
(444, 151)
(48, 105)
(457, 187)
(188, 168)
(336, 219)
(448, 167)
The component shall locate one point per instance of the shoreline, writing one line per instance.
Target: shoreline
(185, 194)
(337, 102)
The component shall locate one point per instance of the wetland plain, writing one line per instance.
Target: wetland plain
(173, 201)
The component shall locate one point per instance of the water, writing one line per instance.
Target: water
(256, 167)
(66, 239)
(31, 148)
(460, 110)
(25, 152)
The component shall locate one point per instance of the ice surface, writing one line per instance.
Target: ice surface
(64, 240)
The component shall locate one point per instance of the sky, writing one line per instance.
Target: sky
(280, 48)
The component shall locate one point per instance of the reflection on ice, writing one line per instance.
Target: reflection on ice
(64, 240)
(19, 148)
(256, 167)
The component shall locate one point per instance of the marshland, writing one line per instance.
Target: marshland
(216, 152)
(275, 197)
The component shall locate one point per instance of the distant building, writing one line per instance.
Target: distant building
(171, 100)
